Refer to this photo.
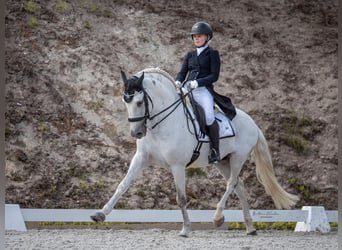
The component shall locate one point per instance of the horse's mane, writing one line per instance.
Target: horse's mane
(157, 70)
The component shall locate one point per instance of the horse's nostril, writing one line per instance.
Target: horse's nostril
(139, 135)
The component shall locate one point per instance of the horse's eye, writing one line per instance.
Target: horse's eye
(127, 97)
(140, 103)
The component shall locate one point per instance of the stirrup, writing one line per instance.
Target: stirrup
(214, 156)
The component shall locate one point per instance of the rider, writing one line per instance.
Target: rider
(201, 68)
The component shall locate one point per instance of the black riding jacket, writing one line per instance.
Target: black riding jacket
(204, 68)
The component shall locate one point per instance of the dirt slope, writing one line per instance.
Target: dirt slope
(67, 143)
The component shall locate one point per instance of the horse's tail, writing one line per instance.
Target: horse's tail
(266, 176)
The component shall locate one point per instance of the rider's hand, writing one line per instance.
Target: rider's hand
(193, 84)
(178, 84)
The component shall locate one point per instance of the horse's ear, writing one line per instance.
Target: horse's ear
(141, 78)
(124, 78)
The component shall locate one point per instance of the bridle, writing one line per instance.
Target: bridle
(147, 116)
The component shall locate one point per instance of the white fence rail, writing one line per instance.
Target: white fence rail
(308, 219)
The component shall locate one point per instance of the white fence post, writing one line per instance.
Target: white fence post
(316, 220)
(13, 218)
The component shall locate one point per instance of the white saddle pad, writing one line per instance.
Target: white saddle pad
(226, 129)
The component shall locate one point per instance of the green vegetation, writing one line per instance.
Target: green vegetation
(99, 184)
(295, 142)
(87, 25)
(83, 5)
(87, 187)
(29, 6)
(32, 22)
(53, 188)
(292, 124)
(61, 6)
(334, 224)
(311, 193)
(93, 8)
(308, 192)
(73, 224)
(120, 205)
(276, 225)
(294, 130)
(141, 191)
(270, 225)
(290, 226)
(237, 225)
(43, 126)
(190, 172)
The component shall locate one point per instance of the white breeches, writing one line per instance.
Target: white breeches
(206, 100)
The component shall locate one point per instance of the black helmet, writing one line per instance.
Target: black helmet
(201, 28)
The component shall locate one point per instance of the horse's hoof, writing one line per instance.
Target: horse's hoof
(98, 217)
(253, 233)
(184, 233)
(219, 222)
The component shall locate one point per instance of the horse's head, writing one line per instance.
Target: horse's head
(135, 99)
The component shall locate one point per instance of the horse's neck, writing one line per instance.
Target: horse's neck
(163, 94)
(161, 91)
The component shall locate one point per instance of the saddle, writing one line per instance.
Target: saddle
(224, 113)
(225, 127)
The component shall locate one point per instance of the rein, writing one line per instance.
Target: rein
(147, 112)
(176, 104)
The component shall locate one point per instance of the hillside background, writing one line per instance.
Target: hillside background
(67, 139)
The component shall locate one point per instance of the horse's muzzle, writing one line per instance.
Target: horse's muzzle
(139, 132)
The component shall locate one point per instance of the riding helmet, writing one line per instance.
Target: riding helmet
(201, 28)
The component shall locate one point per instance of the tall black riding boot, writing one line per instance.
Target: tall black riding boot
(214, 136)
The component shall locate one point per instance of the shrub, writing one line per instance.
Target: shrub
(61, 6)
(93, 8)
(87, 25)
(29, 6)
(294, 142)
(33, 22)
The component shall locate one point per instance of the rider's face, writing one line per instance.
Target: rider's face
(199, 40)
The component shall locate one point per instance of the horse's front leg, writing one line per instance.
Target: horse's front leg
(137, 163)
(179, 179)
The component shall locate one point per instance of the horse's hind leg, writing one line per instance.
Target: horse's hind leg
(240, 192)
(231, 174)
(231, 183)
